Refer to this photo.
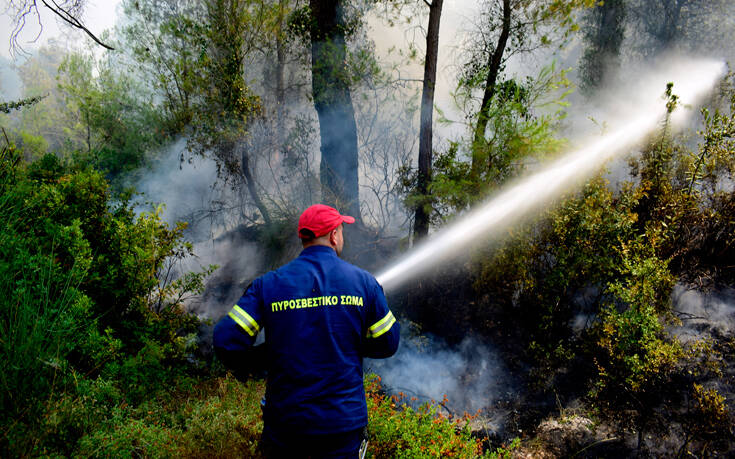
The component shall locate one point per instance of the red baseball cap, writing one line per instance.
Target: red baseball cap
(321, 219)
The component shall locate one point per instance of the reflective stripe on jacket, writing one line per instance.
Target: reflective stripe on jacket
(321, 316)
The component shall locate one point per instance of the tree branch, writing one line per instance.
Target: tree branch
(74, 22)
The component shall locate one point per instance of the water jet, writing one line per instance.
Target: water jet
(692, 81)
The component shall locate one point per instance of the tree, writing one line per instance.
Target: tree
(511, 27)
(333, 103)
(117, 124)
(166, 39)
(493, 68)
(228, 105)
(421, 221)
(522, 120)
(48, 121)
(263, 153)
(684, 24)
(69, 11)
(604, 34)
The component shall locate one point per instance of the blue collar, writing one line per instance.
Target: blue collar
(318, 249)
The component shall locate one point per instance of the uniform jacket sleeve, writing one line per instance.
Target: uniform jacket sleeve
(235, 333)
(383, 331)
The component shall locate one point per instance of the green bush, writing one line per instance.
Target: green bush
(78, 282)
(219, 418)
(532, 279)
(43, 311)
(400, 431)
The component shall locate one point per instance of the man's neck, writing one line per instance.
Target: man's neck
(318, 244)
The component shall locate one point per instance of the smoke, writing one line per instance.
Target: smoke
(238, 260)
(11, 86)
(470, 375)
(190, 191)
(183, 184)
(635, 115)
(704, 313)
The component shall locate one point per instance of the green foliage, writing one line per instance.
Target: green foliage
(7, 107)
(541, 24)
(87, 111)
(113, 117)
(50, 118)
(220, 418)
(227, 103)
(33, 146)
(612, 257)
(709, 419)
(533, 278)
(715, 163)
(637, 357)
(168, 44)
(399, 431)
(43, 309)
(521, 129)
(77, 276)
(506, 452)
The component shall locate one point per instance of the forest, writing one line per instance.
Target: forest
(561, 173)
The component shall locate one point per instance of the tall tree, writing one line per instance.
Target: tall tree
(663, 20)
(512, 27)
(690, 25)
(495, 60)
(166, 38)
(228, 104)
(421, 221)
(333, 104)
(604, 33)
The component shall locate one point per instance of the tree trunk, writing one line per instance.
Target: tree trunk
(605, 34)
(248, 176)
(280, 70)
(421, 222)
(494, 63)
(333, 104)
(672, 16)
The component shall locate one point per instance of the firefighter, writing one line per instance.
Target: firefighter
(322, 316)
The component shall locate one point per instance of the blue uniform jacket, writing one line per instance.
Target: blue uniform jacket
(322, 316)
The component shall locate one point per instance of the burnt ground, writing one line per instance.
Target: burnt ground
(549, 409)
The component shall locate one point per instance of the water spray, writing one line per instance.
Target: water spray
(692, 81)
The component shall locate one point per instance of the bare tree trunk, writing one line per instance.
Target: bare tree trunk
(252, 189)
(672, 16)
(421, 222)
(333, 104)
(494, 63)
(604, 35)
(280, 87)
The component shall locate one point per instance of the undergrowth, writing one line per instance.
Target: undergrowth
(221, 417)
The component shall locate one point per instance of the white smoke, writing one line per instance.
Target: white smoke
(703, 312)
(11, 86)
(184, 184)
(470, 375)
(187, 187)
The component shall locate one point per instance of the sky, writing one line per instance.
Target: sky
(99, 15)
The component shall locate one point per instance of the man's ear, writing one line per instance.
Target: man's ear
(333, 237)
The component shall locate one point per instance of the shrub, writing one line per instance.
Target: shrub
(399, 431)
(219, 418)
(77, 276)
